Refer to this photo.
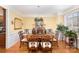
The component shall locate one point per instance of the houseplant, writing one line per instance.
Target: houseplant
(71, 34)
(62, 29)
(72, 37)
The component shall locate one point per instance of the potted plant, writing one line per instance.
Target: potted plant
(72, 36)
(62, 29)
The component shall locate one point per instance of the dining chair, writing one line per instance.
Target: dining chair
(41, 30)
(34, 31)
(46, 43)
(33, 44)
(26, 31)
(55, 39)
(23, 39)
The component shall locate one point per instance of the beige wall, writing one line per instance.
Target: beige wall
(50, 22)
(11, 35)
(60, 19)
(28, 22)
(14, 15)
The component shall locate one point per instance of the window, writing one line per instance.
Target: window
(72, 21)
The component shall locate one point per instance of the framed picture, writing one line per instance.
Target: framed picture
(17, 23)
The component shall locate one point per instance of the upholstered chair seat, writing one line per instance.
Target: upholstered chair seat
(25, 39)
(54, 39)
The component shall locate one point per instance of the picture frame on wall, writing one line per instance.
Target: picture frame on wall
(17, 23)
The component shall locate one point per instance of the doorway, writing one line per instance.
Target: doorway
(2, 27)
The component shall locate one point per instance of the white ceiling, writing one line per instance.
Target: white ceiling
(41, 10)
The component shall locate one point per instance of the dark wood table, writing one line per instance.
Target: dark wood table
(39, 38)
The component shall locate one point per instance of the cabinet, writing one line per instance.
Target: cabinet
(2, 40)
(2, 27)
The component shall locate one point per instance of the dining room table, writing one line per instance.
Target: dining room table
(39, 38)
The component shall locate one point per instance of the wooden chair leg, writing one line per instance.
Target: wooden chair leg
(57, 44)
(20, 45)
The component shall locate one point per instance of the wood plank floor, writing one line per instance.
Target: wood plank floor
(63, 48)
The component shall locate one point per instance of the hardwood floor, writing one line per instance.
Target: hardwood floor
(61, 49)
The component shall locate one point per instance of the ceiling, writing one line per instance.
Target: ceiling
(31, 10)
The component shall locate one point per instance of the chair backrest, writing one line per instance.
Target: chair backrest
(49, 31)
(41, 30)
(30, 31)
(56, 35)
(33, 44)
(20, 33)
(34, 31)
(26, 31)
(46, 44)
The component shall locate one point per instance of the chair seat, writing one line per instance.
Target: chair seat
(54, 39)
(24, 40)
(24, 34)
